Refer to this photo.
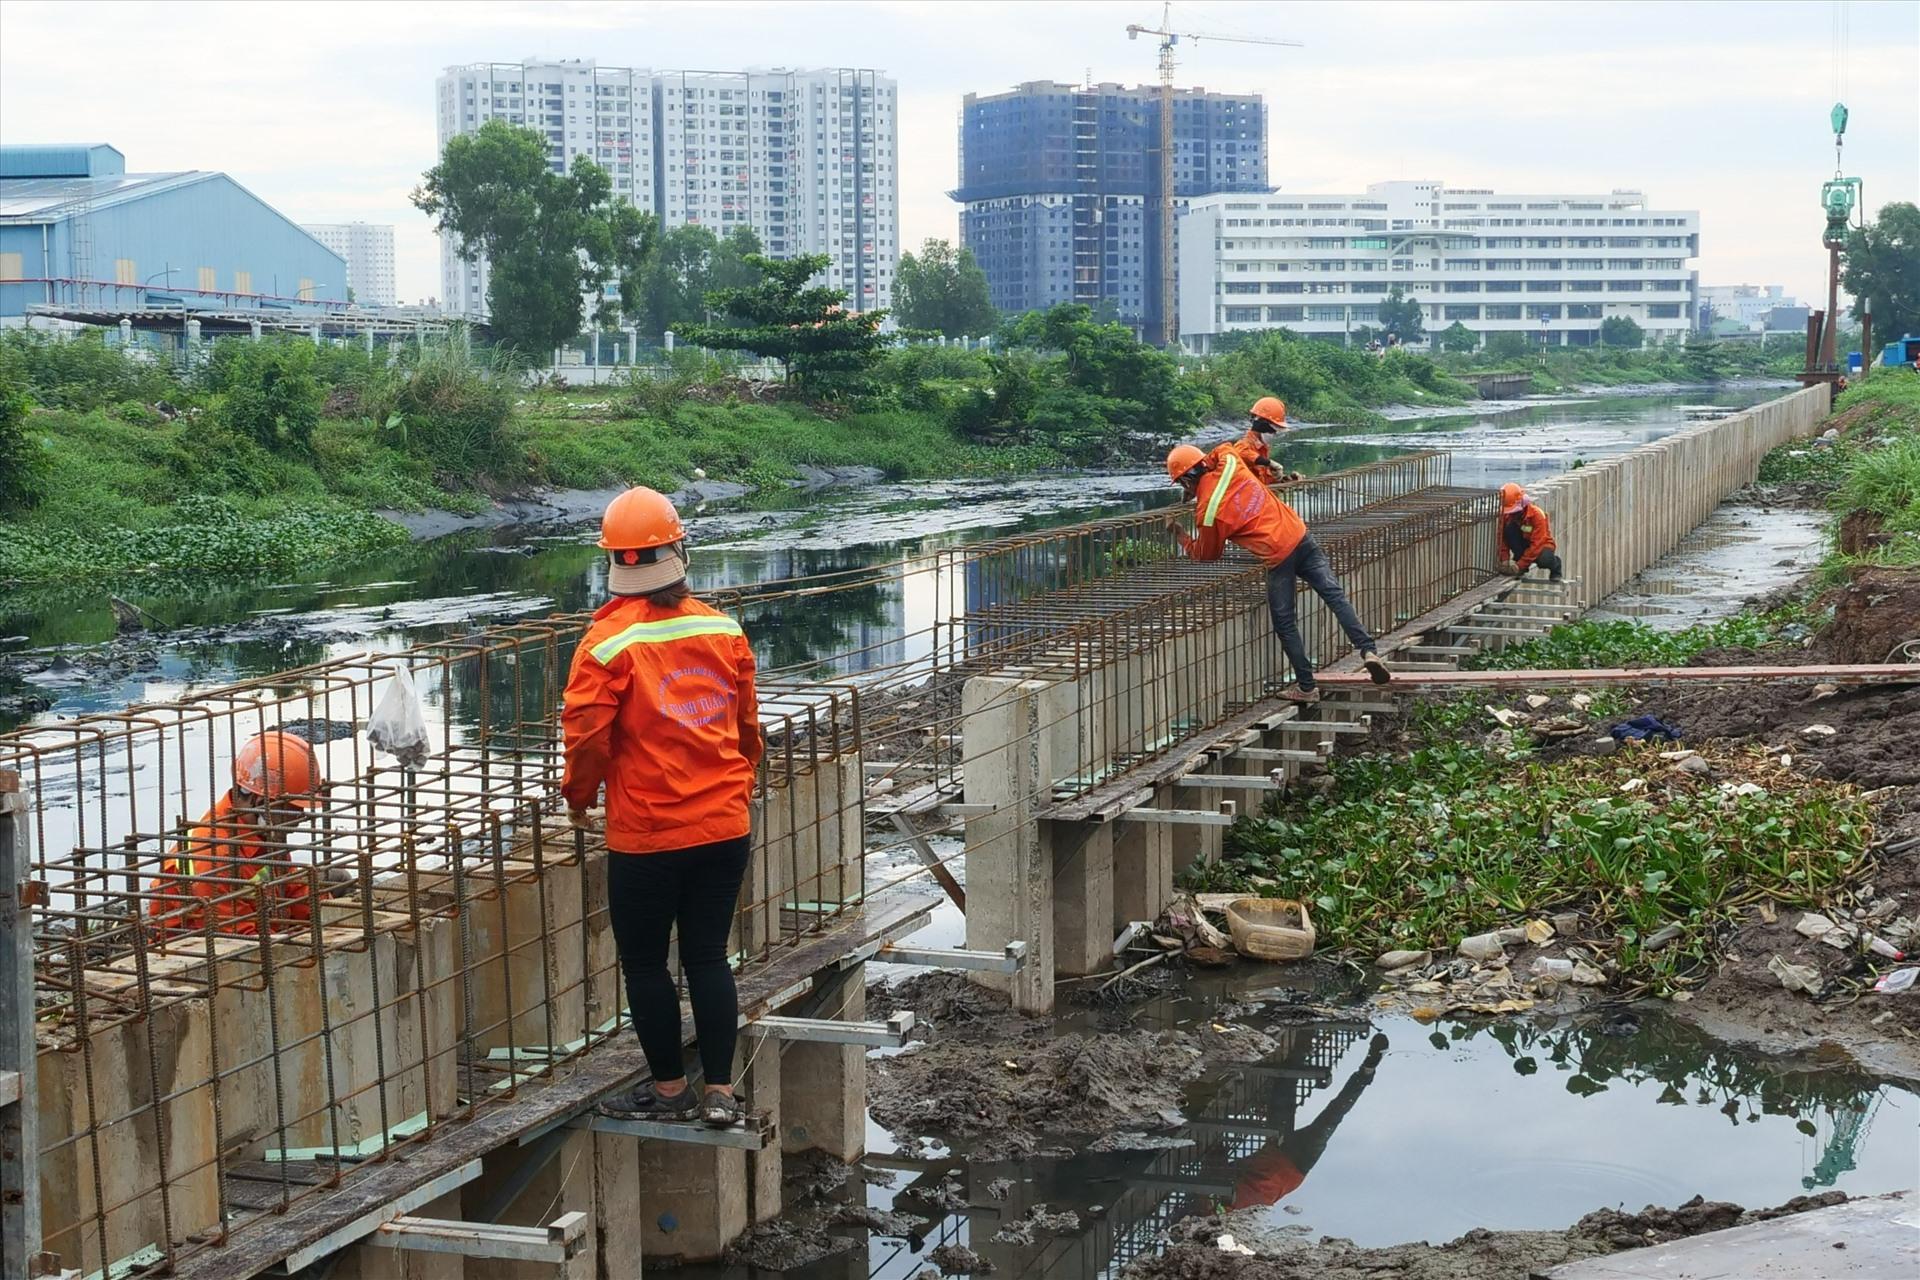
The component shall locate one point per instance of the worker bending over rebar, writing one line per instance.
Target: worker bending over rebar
(1526, 539)
(1231, 505)
(660, 707)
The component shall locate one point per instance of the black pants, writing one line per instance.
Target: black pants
(1550, 561)
(1309, 563)
(696, 889)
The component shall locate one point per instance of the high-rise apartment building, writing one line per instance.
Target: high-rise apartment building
(1550, 266)
(807, 159)
(1060, 186)
(368, 249)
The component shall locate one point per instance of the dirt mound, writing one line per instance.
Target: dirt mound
(1877, 611)
(1009, 1093)
(1477, 1255)
(1861, 531)
(1876, 742)
(945, 1005)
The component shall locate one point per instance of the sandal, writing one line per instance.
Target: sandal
(723, 1110)
(645, 1102)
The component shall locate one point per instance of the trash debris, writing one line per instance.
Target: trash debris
(1538, 700)
(1660, 937)
(1645, 729)
(1819, 731)
(1696, 765)
(1634, 784)
(1508, 719)
(1585, 975)
(398, 725)
(1403, 959)
(1899, 980)
(1134, 931)
(1271, 928)
(1228, 1244)
(1797, 977)
(1553, 970)
(1566, 923)
(1190, 922)
(1481, 946)
(1209, 957)
(1746, 789)
(1539, 931)
(1581, 701)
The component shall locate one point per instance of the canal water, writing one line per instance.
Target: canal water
(221, 631)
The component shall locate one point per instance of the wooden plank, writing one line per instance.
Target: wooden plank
(1875, 1238)
(930, 860)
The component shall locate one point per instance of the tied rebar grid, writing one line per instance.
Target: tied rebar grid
(421, 943)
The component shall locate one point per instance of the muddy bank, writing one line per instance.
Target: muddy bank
(1196, 1252)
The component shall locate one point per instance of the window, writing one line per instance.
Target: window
(1583, 311)
(1285, 315)
(1503, 311)
(1543, 311)
(1663, 311)
(1461, 313)
(1244, 315)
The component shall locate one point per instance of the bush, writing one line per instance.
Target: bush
(84, 372)
(1885, 479)
(269, 391)
(23, 466)
(443, 408)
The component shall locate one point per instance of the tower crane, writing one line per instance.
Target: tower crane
(1169, 325)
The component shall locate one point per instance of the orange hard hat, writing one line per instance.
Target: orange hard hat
(1271, 409)
(640, 518)
(1181, 459)
(275, 764)
(1512, 498)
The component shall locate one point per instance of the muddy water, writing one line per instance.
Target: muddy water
(220, 632)
(1745, 549)
(1387, 1130)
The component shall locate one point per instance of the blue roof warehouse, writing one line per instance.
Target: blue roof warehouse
(82, 238)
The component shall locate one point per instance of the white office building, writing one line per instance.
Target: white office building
(1550, 266)
(807, 159)
(1745, 306)
(368, 249)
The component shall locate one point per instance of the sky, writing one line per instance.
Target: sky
(325, 109)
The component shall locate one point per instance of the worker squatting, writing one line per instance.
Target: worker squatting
(663, 742)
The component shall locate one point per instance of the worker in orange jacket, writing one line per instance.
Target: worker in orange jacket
(1526, 539)
(237, 850)
(1231, 505)
(1268, 415)
(660, 709)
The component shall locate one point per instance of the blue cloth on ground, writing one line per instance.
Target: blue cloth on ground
(1645, 729)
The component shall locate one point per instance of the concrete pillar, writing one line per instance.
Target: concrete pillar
(759, 1075)
(126, 333)
(317, 341)
(823, 1087)
(693, 1200)
(1083, 895)
(1009, 870)
(616, 1171)
(1142, 868)
(564, 1184)
(368, 335)
(666, 340)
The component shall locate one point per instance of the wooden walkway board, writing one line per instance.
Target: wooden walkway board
(1865, 673)
(1867, 1239)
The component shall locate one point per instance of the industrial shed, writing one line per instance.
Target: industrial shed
(81, 235)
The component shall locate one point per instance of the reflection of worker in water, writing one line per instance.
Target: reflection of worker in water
(1272, 1172)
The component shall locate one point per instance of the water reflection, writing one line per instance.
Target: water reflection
(1391, 1131)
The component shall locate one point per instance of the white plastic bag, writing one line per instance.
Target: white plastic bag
(398, 726)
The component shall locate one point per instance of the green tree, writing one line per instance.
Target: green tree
(1883, 267)
(944, 292)
(1459, 339)
(551, 240)
(688, 263)
(825, 349)
(1135, 384)
(1508, 345)
(1621, 331)
(1400, 316)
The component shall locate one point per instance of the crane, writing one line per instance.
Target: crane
(1169, 324)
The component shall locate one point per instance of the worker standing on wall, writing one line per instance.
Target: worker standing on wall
(239, 847)
(660, 707)
(1526, 539)
(1231, 505)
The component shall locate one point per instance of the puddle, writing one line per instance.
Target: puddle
(1743, 550)
(1388, 1130)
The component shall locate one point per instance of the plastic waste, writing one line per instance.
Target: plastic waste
(398, 725)
(1556, 970)
(1899, 980)
(1481, 946)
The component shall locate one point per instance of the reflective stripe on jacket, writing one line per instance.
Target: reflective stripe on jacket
(660, 707)
(225, 855)
(1525, 534)
(1231, 505)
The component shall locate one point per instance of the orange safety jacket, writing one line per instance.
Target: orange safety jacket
(1253, 450)
(1267, 1177)
(1525, 534)
(660, 708)
(217, 868)
(1231, 505)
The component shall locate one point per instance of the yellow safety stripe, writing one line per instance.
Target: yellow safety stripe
(662, 632)
(1227, 475)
